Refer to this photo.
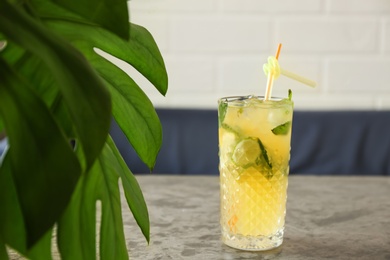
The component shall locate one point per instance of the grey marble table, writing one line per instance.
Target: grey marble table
(327, 218)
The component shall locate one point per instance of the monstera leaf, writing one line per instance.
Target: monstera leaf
(57, 99)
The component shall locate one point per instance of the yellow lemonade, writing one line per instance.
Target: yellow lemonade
(254, 151)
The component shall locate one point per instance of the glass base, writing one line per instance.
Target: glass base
(253, 243)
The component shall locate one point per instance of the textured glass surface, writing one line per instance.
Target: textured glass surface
(253, 210)
(254, 152)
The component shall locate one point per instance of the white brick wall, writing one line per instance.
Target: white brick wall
(215, 48)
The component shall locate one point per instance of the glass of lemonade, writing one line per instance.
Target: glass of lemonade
(254, 152)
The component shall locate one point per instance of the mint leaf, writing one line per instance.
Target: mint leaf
(264, 154)
(222, 111)
(282, 129)
(289, 94)
(230, 129)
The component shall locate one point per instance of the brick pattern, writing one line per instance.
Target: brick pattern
(215, 48)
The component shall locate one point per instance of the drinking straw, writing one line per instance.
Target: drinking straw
(278, 51)
(271, 76)
(273, 71)
(299, 78)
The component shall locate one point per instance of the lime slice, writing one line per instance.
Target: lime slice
(246, 152)
(227, 143)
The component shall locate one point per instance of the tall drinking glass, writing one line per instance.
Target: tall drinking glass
(254, 152)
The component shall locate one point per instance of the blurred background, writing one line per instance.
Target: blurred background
(215, 48)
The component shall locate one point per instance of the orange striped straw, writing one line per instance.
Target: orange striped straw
(278, 51)
(270, 81)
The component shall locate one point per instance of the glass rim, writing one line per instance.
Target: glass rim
(273, 99)
(238, 98)
(239, 101)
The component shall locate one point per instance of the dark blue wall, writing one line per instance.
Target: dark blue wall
(323, 143)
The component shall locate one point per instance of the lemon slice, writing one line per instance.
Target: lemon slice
(246, 152)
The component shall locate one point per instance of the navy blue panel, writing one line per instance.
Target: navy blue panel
(190, 143)
(323, 142)
(341, 143)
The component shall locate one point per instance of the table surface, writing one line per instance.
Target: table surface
(327, 218)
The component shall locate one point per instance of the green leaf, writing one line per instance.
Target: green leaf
(72, 83)
(12, 228)
(12, 53)
(36, 73)
(76, 229)
(1, 128)
(140, 50)
(42, 249)
(61, 113)
(264, 158)
(264, 154)
(282, 129)
(289, 94)
(133, 192)
(33, 70)
(222, 111)
(132, 109)
(113, 244)
(48, 159)
(3, 250)
(84, 93)
(230, 129)
(110, 14)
